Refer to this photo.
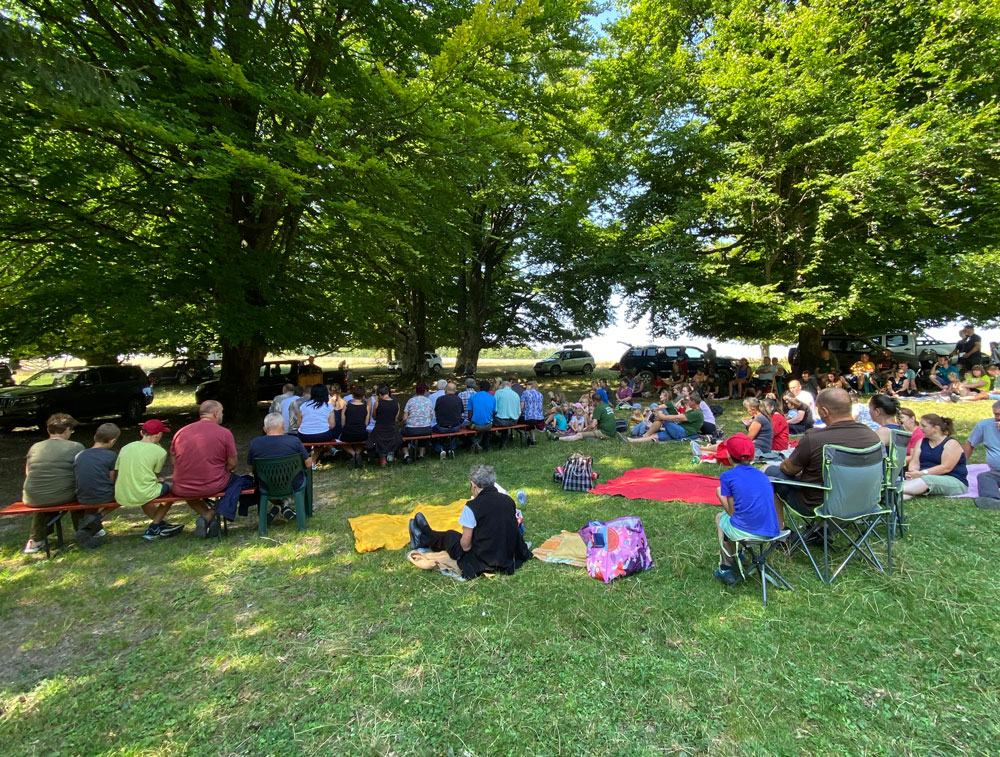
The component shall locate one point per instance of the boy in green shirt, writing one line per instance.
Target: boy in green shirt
(137, 483)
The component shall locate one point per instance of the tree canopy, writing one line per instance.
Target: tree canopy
(799, 165)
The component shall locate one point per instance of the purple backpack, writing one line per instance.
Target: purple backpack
(616, 548)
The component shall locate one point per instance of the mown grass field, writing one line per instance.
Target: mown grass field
(300, 645)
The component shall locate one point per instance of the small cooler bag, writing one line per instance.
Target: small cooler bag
(616, 548)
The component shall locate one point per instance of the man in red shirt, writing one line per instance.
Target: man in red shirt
(204, 457)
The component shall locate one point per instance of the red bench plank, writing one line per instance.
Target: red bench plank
(19, 508)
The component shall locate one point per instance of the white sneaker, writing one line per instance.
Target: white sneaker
(696, 449)
(100, 533)
(34, 546)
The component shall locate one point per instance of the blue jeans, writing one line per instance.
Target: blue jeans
(673, 430)
(639, 428)
(438, 446)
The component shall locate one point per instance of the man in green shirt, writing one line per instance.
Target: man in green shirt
(674, 427)
(827, 363)
(602, 423)
(49, 477)
(137, 483)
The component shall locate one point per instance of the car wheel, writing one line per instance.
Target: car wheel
(182, 378)
(556, 370)
(134, 410)
(435, 369)
(588, 369)
(647, 377)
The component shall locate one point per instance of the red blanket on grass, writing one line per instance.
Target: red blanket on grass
(662, 486)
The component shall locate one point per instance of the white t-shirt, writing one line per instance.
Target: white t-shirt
(315, 420)
(807, 399)
(707, 412)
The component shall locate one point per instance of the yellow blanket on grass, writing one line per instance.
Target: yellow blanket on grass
(378, 530)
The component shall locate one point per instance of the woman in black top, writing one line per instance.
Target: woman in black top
(356, 417)
(385, 438)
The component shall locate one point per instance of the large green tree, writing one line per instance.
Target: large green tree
(799, 165)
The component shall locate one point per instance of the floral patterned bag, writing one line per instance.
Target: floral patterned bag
(616, 548)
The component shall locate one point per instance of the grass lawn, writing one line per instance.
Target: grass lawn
(300, 645)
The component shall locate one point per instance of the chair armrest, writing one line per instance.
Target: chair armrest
(794, 482)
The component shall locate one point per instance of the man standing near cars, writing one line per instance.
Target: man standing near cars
(987, 433)
(204, 457)
(969, 349)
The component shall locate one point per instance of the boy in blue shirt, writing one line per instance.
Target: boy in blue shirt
(748, 506)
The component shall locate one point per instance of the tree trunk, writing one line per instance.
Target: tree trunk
(810, 345)
(240, 378)
(412, 343)
(765, 351)
(468, 351)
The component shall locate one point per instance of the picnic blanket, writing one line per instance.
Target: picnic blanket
(974, 470)
(380, 530)
(566, 548)
(439, 561)
(662, 486)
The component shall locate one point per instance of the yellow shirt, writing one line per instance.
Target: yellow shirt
(860, 368)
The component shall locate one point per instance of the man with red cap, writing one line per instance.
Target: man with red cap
(137, 482)
(747, 500)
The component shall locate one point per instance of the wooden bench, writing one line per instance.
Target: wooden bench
(407, 439)
(58, 511)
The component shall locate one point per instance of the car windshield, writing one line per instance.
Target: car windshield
(51, 378)
(555, 356)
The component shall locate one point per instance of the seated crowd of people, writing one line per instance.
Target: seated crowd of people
(204, 456)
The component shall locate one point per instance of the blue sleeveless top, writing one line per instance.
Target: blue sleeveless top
(931, 456)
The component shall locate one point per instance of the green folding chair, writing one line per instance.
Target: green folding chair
(853, 506)
(895, 468)
(274, 477)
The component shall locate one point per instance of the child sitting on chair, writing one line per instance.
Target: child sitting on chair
(747, 500)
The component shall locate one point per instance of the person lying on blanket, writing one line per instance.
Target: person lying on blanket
(747, 500)
(490, 541)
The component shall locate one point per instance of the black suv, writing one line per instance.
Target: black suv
(183, 370)
(652, 361)
(85, 393)
(274, 374)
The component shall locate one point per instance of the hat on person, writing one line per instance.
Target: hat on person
(740, 447)
(653, 406)
(636, 406)
(578, 405)
(154, 426)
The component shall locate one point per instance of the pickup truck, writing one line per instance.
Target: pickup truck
(921, 346)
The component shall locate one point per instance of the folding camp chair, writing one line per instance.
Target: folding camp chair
(853, 481)
(757, 550)
(895, 468)
(275, 476)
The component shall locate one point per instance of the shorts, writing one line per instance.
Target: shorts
(944, 486)
(735, 534)
(995, 396)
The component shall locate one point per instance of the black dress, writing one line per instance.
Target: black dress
(385, 438)
(354, 423)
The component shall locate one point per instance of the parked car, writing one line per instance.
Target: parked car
(848, 349)
(926, 349)
(273, 375)
(654, 360)
(432, 359)
(572, 358)
(6, 377)
(85, 393)
(183, 370)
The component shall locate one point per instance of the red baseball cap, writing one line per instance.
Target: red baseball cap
(154, 426)
(740, 447)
